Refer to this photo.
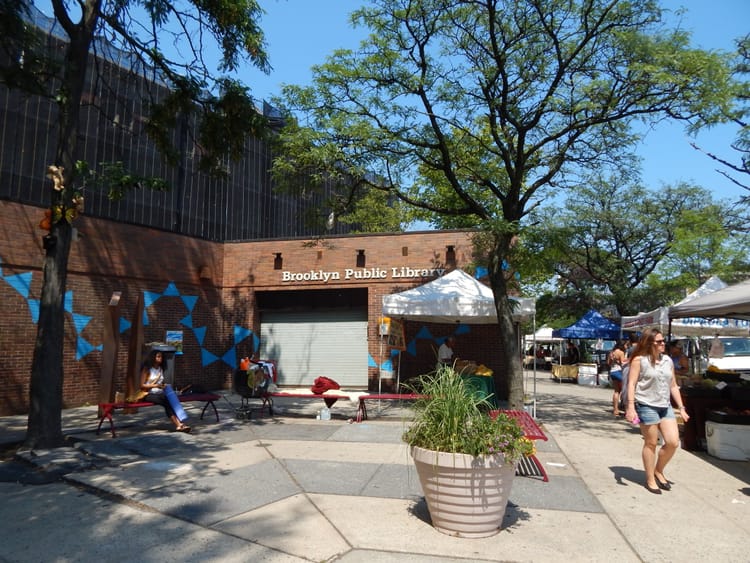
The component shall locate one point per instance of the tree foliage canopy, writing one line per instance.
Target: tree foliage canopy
(614, 242)
(479, 108)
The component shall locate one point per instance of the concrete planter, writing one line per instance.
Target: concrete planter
(466, 496)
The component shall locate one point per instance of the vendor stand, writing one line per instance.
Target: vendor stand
(455, 297)
(718, 396)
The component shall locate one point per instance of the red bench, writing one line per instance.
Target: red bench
(107, 410)
(331, 398)
(533, 432)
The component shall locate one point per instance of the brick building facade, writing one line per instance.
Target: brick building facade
(221, 296)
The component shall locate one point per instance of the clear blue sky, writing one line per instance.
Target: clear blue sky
(301, 33)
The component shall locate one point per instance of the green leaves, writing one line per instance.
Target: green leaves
(451, 418)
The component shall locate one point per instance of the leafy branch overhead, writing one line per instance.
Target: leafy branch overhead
(478, 112)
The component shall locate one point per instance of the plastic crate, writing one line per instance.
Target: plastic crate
(728, 441)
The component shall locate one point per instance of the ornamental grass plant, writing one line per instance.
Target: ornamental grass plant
(451, 417)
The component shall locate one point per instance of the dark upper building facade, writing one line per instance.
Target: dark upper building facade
(242, 206)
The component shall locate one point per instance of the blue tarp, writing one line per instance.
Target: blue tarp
(591, 325)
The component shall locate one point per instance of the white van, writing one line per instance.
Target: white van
(736, 353)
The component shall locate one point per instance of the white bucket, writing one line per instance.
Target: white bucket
(387, 374)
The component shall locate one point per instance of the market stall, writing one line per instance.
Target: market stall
(591, 326)
(451, 298)
(719, 406)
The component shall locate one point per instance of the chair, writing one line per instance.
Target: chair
(252, 384)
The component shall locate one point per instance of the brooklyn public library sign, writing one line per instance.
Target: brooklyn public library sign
(361, 274)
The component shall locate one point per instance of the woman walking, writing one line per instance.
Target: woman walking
(651, 385)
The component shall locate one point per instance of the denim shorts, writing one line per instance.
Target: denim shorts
(653, 415)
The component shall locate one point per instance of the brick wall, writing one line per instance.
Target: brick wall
(107, 257)
(202, 288)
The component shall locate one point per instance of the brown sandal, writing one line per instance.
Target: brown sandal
(184, 428)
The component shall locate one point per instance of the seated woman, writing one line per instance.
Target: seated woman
(152, 381)
(679, 359)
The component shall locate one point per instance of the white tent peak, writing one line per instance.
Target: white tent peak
(453, 297)
(714, 283)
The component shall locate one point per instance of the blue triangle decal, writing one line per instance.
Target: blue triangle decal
(230, 358)
(80, 322)
(149, 298)
(240, 333)
(189, 301)
(124, 324)
(412, 348)
(462, 329)
(171, 290)
(21, 283)
(200, 334)
(371, 363)
(69, 301)
(33, 309)
(424, 333)
(207, 357)
(83, 348)
(187, 321)
(145, 318)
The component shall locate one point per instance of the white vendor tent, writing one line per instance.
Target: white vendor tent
(451, 298)
(544, 335)
(454, 297)
(689, 325)
(732, 302)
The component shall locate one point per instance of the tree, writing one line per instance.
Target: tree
(612, 236)
(147, 32)
(480, 108)
(736, 171)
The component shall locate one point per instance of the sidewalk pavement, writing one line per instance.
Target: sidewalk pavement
(292, 488)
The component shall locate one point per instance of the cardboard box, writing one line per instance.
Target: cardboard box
(728, 441)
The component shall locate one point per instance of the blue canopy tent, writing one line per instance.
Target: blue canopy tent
(590, 325)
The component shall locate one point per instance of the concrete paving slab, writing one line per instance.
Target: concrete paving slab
(339, 451)
(293, 525)
(394, 481)
(530, 534)
(370, 432)
(59, 523)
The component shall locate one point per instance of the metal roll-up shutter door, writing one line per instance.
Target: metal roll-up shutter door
(308, 344)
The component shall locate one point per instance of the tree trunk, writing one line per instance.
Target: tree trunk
(44, 428)
(511, 367)
(45, 395)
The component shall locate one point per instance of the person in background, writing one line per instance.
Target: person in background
(445, 352)
(679, 359)
(717, 348)
(574, 355)
(651, 388)
(152, 381)
(616, 361)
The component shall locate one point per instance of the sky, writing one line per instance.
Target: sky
(302, 33)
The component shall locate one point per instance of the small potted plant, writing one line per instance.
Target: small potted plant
(466, 459)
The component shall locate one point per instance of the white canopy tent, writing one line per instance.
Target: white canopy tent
(689, 325)
(730, 303)
(454, 297)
